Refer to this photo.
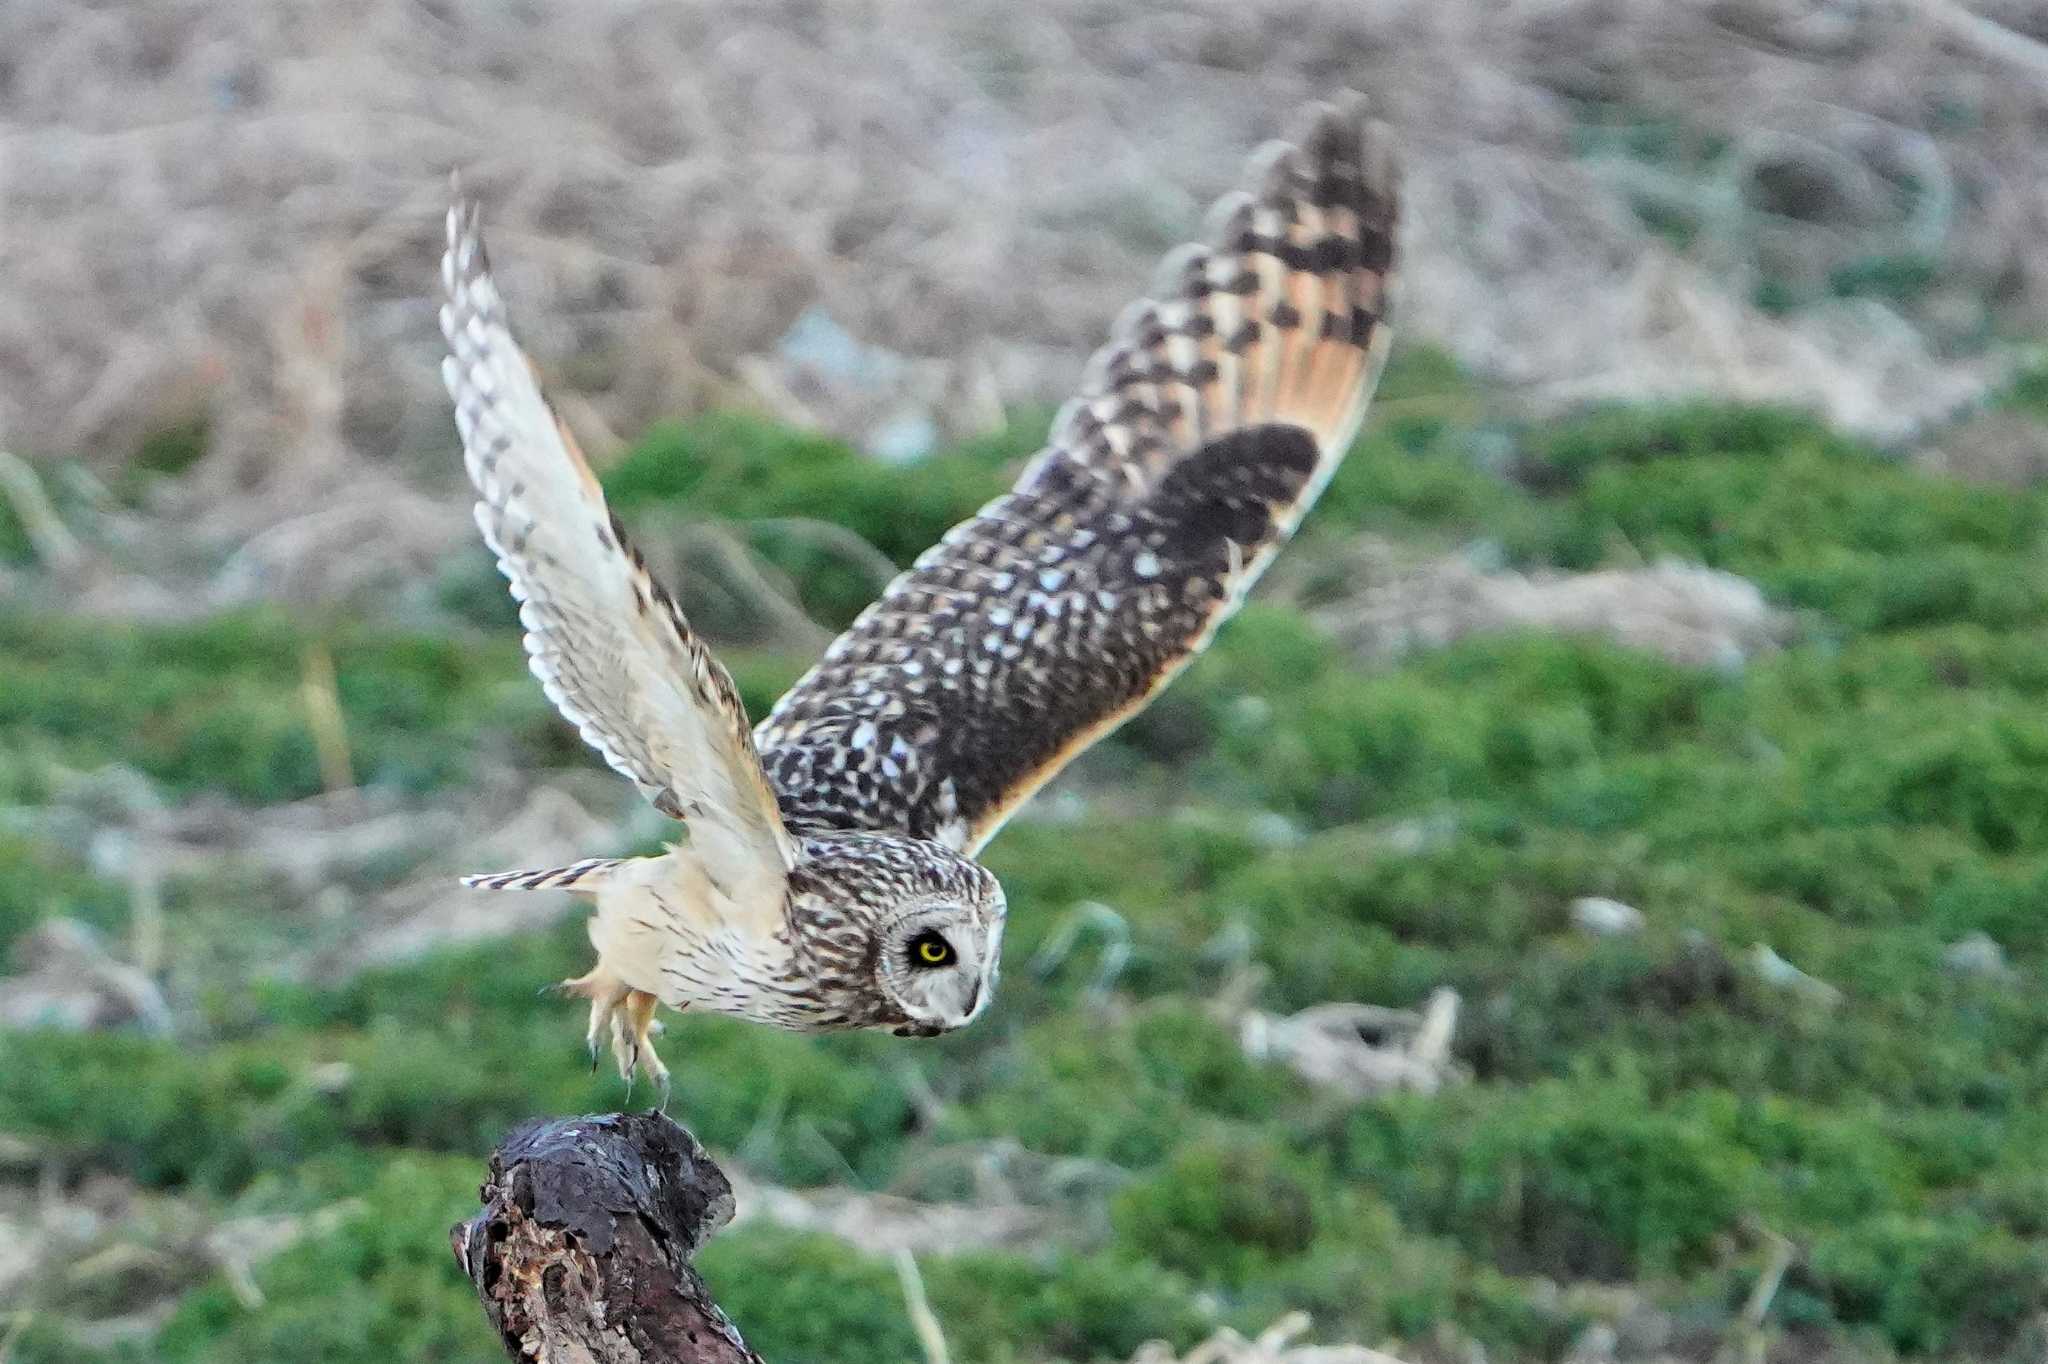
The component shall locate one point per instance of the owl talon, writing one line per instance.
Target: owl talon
(633, 1029)
(605, 993)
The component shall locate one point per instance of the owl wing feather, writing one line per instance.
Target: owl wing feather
(608, 643)
(1203, 431)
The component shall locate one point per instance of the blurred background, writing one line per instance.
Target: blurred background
(1590, 906)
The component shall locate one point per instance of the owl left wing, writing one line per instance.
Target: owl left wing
(1203, 432)
(609, 645)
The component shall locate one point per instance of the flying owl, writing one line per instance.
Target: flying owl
(826, 877)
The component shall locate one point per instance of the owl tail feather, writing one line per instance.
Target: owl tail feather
(585, 875)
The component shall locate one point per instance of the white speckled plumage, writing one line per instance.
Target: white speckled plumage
(827, 878)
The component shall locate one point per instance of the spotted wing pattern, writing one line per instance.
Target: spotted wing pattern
(606, 641)
(1202, 433)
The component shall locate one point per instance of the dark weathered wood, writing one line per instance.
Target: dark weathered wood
(581, 1254)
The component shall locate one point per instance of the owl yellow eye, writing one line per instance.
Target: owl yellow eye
(929, 949)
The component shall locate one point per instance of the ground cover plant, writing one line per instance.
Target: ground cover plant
(1789, 1051)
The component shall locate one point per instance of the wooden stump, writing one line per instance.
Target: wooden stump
(582, 1252)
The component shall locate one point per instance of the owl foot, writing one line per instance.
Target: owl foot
(633, 1045)
(606, 993)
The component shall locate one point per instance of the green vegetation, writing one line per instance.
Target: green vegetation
(757, 475)
(1642, 1110)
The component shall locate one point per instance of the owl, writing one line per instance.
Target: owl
(824, 874)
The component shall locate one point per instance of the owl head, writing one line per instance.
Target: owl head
(905, 933)
(937, 963)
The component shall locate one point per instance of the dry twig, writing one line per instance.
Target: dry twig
(47, 534)
(322, 700)
(929, 1334)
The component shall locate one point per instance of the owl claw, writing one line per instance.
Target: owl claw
(633, 1044)
(605, 993)
(624, 1017)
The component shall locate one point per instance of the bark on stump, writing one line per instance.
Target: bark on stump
(581, 1254)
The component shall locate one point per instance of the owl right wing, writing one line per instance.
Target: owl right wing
(607, 642)
(1203, 432)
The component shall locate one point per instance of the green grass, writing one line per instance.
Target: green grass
(1641, 1109)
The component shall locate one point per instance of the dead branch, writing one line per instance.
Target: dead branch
(582, 1252)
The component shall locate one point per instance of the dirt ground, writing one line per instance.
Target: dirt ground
(226, 210)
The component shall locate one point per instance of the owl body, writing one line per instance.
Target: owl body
(828, 878)
(839, 943)
(662, 927)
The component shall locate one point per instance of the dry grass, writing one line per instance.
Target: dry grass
(229, 208)
(1274, 1345)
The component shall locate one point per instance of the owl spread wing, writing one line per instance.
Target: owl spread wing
(608, 644)
(1202, 433)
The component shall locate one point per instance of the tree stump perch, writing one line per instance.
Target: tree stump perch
(582, 1252)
